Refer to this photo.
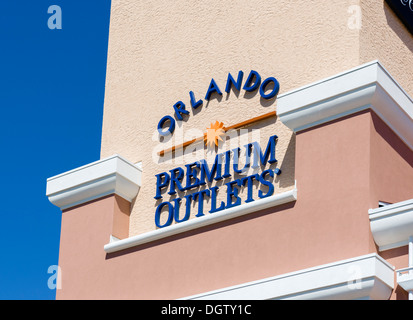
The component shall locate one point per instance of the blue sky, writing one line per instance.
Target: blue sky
(51, 97)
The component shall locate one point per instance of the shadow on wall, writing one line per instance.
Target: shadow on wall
(398, 27)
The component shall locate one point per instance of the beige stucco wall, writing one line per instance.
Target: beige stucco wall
(385, 38)
(158, 52)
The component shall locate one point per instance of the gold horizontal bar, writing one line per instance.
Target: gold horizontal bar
(235, 126)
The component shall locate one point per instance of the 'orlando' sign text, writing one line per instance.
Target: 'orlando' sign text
(166, 125)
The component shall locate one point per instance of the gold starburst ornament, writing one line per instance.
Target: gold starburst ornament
(214, 134)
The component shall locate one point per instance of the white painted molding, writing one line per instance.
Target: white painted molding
(392, 225)
(405, 278)
(365, 277)
(368, 86)
(206, 220)
(113, 175)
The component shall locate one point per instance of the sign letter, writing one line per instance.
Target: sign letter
(55, 21)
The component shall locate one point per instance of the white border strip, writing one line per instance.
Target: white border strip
(206, 220)
(392, 225)
(112, 175)
(368, 276)
(369, 86)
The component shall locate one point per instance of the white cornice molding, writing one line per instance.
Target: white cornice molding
(203, 221)
(113, 175)
(392, 225)
(365, 277)
(405, 278)
(368, 86)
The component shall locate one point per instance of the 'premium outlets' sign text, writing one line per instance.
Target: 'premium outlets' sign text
(198, 173)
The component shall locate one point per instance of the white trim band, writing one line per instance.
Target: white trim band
(392, 225)
(112, 175)
(368, 86)
(365, 277)
(405, 278)
(206, 220)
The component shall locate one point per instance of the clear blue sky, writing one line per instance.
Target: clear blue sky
(52, 88)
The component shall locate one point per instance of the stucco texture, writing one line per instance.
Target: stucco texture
(159, 51)
(385, 38)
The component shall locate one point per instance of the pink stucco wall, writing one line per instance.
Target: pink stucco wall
(391, 181)
(339, 177)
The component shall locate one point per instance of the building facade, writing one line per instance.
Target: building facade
(250, 150)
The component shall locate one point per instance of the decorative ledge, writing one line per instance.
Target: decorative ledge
(405, 278)
(206, 220)
(113, 175)
(368, 86)
(365, 277)
(392, 225)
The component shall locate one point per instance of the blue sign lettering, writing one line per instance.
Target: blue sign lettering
(166, 125)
